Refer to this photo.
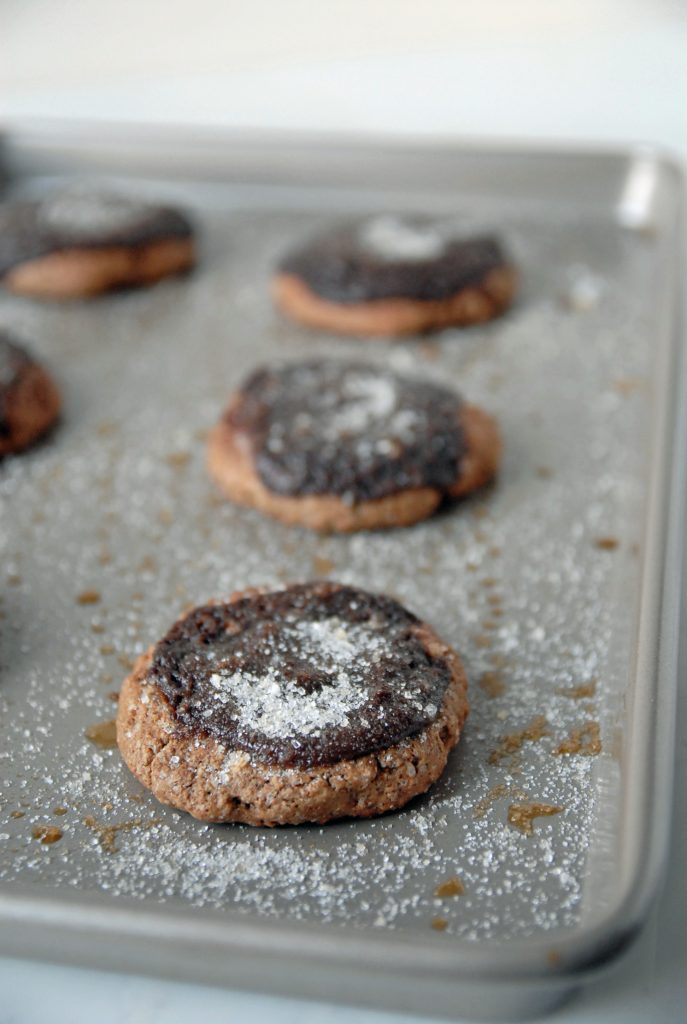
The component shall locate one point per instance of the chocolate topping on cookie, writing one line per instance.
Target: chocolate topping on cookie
(29, 398)
(310, 675)
(390, 257)
(83, 218)
(348, 429)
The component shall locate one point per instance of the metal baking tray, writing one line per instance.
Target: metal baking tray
(559, 586)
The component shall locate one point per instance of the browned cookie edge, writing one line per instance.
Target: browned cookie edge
(82, 272)
(397, 317)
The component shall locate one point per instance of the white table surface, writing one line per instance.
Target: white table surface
(610, 70)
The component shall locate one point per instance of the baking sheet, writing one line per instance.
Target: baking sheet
(111, 527)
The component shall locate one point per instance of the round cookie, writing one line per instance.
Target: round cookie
(29, 399)
(314, 702)
(344, 446)
(79, 242)
(392, 276)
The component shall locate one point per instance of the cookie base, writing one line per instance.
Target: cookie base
(230, 464)
(196, 773)
(397, 317)
(80, 273)
(32, 407)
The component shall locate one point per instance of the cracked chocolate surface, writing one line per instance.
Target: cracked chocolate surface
(310, 675)
(348, 429)
(393, 257)
(82, 218)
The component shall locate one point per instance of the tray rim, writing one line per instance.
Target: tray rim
(35, 921)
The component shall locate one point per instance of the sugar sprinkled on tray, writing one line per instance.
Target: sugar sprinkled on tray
(558, 626)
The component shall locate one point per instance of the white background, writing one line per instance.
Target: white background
(532, 69)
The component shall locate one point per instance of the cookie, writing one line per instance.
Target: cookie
(343, 446)
(314, 702)
(391, 276)
(79, 242)
(29, 399)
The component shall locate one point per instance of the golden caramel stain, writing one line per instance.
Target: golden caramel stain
(47, 834)
(59, 811)
(107, 649)
(513, 742)
(97, 627)
(165, 517)
(584, 740)
(497, 792)
(492, 683)
(126, 662)
(107, 834)
(13, 579)
(322, 566)
(147, 564)
(521, 816)
(106, 428)
(606, 543)
(113, 695)
(88, 597)
(581, 692)
(494, 794)
(451, 887)
(177, 460)
(17, 814)
(489, 581)
(483, 640)
(544, 472)
(439, 924)
(103, 734)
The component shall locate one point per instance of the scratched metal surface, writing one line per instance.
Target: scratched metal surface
(536, 582)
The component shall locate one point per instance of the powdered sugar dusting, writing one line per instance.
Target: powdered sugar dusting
(367, 399)
(83, 211)
(397, 238)
(277, 706)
